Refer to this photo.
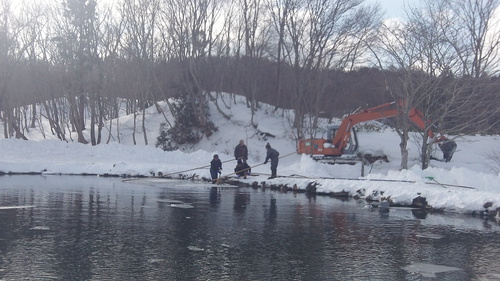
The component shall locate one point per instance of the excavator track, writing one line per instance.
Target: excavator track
(332, 160)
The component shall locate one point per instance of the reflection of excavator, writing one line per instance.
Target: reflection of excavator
(341, 145)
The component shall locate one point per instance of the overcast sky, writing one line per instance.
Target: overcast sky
(394, 8)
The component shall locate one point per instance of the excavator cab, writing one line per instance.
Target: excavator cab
(324, 151)
(351, 147)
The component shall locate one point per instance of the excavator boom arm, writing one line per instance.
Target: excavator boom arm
(336, 145)
(375, 113)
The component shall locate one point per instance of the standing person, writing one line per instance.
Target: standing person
(215, 168)
(272, 155)
(241, 152)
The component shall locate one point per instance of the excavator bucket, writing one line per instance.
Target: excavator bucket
(448, 148)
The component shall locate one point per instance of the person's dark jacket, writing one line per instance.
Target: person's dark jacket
(216, 165)
(273, 155)
(241, 152)
(448, 148)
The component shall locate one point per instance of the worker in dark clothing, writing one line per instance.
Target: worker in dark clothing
(272, 155)
(241, 152)
(215, 168)
(448, 148)
(242, 170)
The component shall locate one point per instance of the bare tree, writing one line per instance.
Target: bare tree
(7, 45)
(253, 37)
(111, 30)
(77, 45)
(323, 35)
(429, 77)
(141, 25)
(193, 34)
(279, 10)
(31, 41)
(476, 35)
(11, 72)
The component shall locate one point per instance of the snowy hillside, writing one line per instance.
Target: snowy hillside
(467, 182)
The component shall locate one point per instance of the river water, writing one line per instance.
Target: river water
(91, 228)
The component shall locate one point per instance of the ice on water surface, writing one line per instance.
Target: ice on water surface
(429, 270)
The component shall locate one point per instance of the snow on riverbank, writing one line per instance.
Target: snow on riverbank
(470, 180)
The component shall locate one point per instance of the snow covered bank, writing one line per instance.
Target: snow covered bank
(456, 189)
(472, 166)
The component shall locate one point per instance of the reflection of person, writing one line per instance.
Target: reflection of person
(273, 209)
(242, 170)
(272, 155)
(214, 196)
(241, 201)
(215, 168)
(241, 152)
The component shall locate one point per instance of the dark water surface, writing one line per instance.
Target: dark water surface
(89, 228)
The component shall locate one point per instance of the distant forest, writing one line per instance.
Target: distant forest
(74, 61)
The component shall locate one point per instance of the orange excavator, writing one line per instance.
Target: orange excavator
(341, 145)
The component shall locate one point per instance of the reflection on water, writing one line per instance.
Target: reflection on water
(89, 228)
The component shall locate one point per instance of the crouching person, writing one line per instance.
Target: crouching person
(242, 170)
(448, 147)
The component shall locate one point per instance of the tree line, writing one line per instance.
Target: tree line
(76, 62)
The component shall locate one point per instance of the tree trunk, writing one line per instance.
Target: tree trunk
(143, 124)
(33, 115)
(426, 152)
(100, 122)
(404, 155)
(403, 146)
(92, 104)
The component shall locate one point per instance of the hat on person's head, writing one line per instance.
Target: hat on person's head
(242, 141)
(268, 145)
(216, 156)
